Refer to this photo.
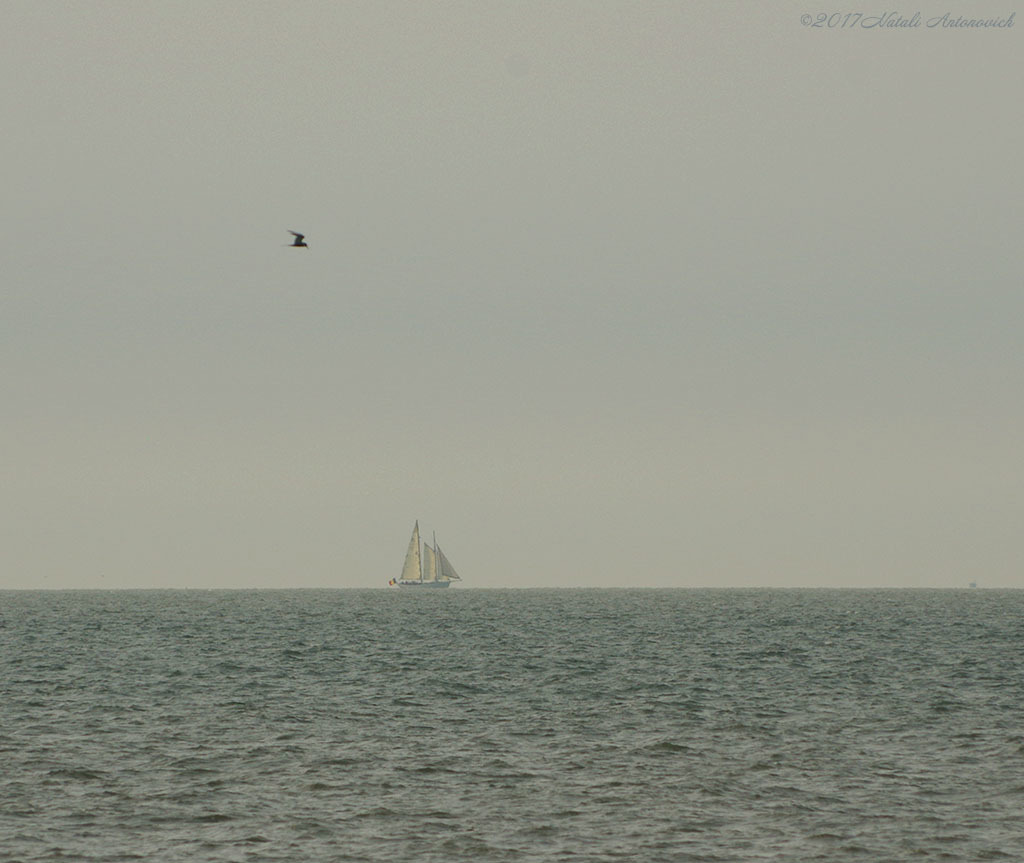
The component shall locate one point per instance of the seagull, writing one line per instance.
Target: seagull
(300, 240)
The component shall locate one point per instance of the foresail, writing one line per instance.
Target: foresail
(411, 571)
(429, 564)
(446, 572)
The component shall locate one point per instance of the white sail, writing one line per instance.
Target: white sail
(411, 571)
(429, 564)
(446, 572)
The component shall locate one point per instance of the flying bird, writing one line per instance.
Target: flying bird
(300, 240)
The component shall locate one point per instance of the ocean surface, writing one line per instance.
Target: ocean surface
(559, 725)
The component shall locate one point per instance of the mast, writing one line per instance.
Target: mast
(438, 571)
(439, 574)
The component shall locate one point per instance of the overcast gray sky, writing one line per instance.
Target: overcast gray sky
(605, 293)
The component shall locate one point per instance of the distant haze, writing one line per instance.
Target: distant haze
(604, 293)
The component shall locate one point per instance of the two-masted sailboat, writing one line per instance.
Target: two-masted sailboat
(425, 568)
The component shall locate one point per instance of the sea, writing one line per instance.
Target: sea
(583, 726)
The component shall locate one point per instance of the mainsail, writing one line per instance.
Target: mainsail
(411, 570)
(429, 564)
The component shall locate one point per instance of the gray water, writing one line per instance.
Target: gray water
(470, 725)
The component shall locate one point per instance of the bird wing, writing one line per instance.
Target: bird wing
(298, 237)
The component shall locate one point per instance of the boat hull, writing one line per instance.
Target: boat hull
(424, 585)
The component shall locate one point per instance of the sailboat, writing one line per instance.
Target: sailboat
(426, 567)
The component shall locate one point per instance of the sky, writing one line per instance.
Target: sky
(606, 294)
